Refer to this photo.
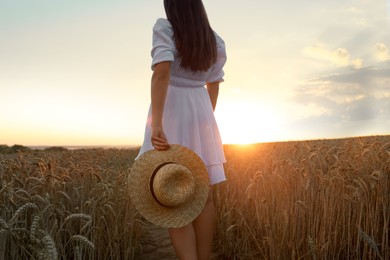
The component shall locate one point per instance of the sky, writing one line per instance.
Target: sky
(78, 72)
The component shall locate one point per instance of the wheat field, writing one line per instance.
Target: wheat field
(306, 200)
(67, 205)
(323, 199)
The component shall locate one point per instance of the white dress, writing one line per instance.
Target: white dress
(188, 117)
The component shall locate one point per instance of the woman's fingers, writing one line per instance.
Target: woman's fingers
(159, 140)
(160, 146)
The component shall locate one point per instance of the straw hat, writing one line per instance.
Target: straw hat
(169, 188)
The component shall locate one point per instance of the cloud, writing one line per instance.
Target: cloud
(354, 102)
(339, 57)
(353, 10)
(357, 16)
(382, 52)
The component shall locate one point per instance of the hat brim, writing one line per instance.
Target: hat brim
(145, 203)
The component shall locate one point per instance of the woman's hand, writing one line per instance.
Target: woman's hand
(159, 140)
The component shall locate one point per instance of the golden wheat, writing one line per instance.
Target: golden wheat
(301, 199)
(50, 247)
(59, 204)
(83, 240)
(324, 199)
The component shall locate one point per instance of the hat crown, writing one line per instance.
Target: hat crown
(173, 185)
(187, 202)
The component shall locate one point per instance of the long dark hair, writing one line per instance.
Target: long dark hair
(194, 38)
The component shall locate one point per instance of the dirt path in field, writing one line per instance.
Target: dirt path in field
(155, 244)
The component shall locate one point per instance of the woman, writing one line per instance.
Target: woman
(187, 56)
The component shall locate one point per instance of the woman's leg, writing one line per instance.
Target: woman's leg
(204, 226)
(184, 242)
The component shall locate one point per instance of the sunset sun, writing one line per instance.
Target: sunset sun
(245, 123)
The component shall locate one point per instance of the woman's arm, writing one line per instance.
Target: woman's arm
(213, 89)
(160, 82)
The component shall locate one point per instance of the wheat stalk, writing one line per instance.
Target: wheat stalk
(369, 241)
(77, 253)
(50, 247)
(312, 247)
(34, 225)
(80, 216)
(20, 210)
(83, 241)
(3, 224)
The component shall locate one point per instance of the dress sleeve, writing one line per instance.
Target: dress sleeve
(163, 45)
(217, 73)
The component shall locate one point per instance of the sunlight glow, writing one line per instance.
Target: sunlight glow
(248, 122)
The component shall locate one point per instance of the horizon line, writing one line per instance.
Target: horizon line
(139, 145)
